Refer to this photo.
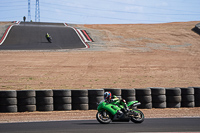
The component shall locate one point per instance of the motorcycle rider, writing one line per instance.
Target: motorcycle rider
(109, 98)
(47, 35)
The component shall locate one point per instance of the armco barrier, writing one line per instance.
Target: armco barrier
(50, 100)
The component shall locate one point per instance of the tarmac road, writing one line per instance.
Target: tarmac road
(31, 36)
(91, 126)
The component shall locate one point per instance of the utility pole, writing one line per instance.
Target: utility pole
(29, 10)
(37, 11)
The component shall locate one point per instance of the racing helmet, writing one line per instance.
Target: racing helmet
(107, 96)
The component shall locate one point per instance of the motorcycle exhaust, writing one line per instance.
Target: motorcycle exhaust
(136, 104)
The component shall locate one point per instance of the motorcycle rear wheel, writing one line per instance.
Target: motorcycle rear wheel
(139, 118)
(49, 40)
(103, 119)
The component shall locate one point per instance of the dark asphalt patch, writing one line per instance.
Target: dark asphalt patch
(91, 126)
(32, 37)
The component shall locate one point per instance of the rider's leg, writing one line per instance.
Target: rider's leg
(125, 105)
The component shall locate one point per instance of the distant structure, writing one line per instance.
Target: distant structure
(37, 11)
(29, 10)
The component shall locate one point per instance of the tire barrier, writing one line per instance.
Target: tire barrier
(187, 96)
(59, 100)
(116, 92)
(144, 96)
(128, 94)
(26, 100)
(173, 97)
(8, 101)
(95, 96)
(197, 28)
(197, 96)
(158, 97)
(62, 100)
(80, 100)
(44, 100)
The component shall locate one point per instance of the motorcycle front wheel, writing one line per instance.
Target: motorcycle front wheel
(138, 117)
(103, 117)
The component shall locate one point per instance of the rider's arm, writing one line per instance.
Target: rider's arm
(114, 98)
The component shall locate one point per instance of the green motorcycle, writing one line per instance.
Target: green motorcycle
(115, 112)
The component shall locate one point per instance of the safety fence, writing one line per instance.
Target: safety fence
(65, 100)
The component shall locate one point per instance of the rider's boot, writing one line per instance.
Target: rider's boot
(125, 109)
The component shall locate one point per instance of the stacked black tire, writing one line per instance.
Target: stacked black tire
(197, 28)
(173, 97)
(197, 96)
(62, 100)
(128, 94)
(116, 92)
(80, 100)
(26, 100)
(49, 100)
(158, 97)
(187, 97)
(8, 101)
(95, 97)
(44, 100)
(144, 96)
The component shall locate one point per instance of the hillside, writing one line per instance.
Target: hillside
(3, 27)
(176, 36)
(121, 56)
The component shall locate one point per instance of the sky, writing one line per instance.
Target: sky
(103, 11)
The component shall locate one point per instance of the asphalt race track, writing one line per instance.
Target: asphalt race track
(92, 126)
(31, 36)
